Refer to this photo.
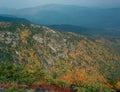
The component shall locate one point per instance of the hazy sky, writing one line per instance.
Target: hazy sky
(32, 3)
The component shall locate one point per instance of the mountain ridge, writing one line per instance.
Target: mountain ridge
(108, 32)
(72, 15)
(70, 59)
(10, 18)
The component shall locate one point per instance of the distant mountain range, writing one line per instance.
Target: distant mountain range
(111, 32)
(9, 18)
(69, 14)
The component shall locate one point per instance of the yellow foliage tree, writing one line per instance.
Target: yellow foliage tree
(117, 86)
(79, 77)
(24, 34)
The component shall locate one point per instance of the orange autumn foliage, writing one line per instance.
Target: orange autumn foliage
(79, 77)
(74, 77)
